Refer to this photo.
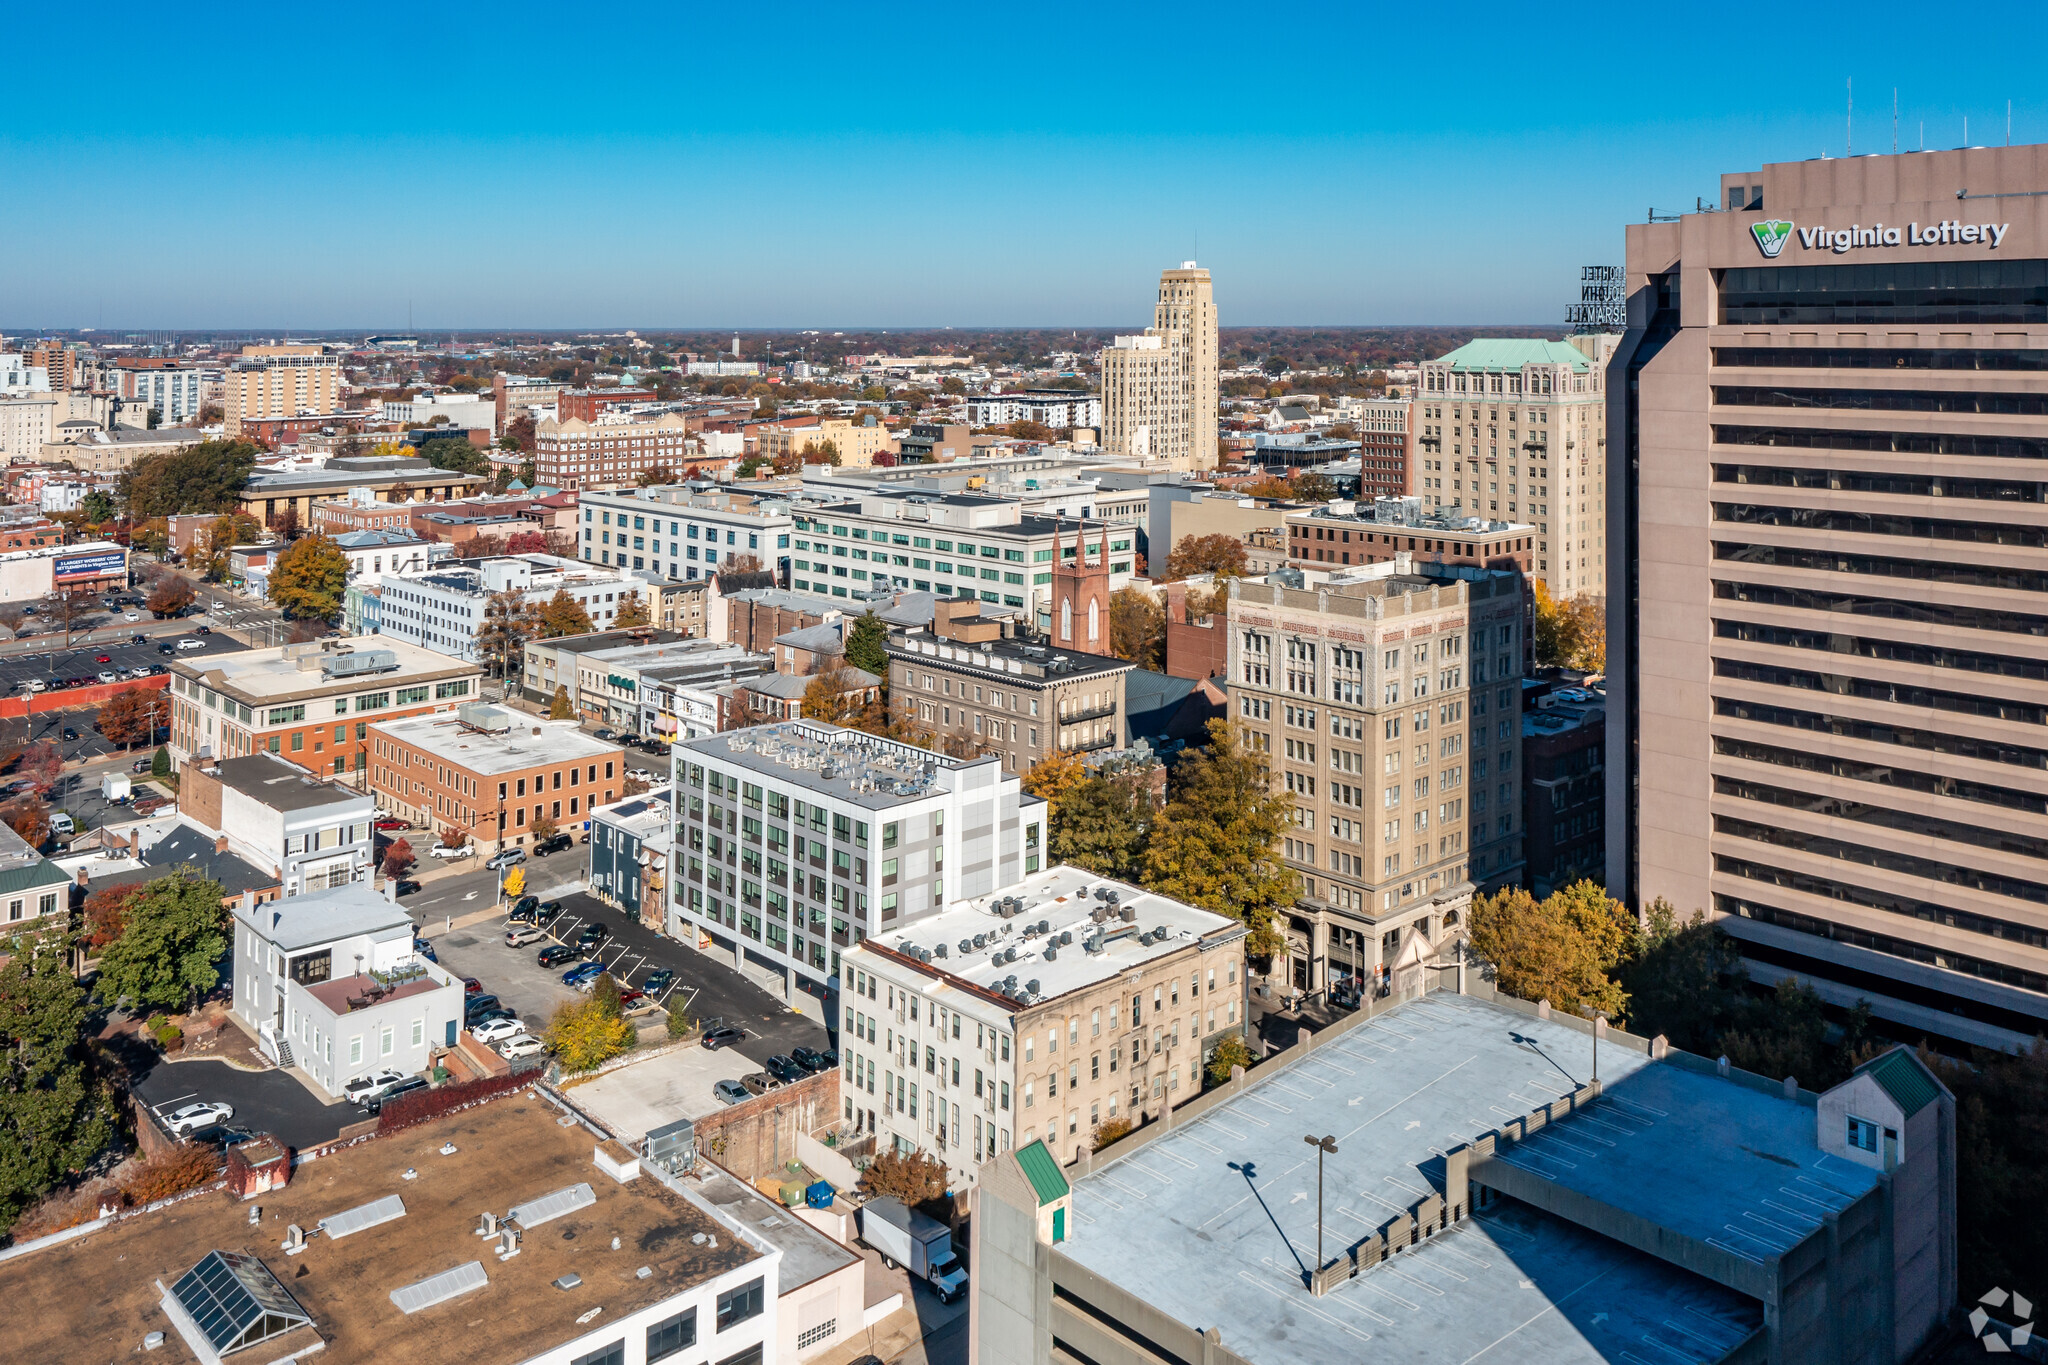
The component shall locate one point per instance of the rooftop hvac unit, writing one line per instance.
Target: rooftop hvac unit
(354, 663)
(1093, 945)
(1010, 953)
(1031, 986)
(1111, 895)
(1066, 937)
(1159, 932)
(980, 941)
(673, 1146)
(1145, 940)
(1045, 926)
(1011, 980)
(1051, 953)
(1130, 914)
(996, 958)
(940, 950)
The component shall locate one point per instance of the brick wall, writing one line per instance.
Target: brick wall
(758, 1137)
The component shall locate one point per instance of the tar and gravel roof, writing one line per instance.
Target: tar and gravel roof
(1215, 1223)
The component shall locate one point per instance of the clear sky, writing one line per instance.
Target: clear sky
(306, 166)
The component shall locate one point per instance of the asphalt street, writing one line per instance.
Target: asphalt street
(705, 987)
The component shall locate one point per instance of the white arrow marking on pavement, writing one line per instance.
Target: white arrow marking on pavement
(1414, 1123)
(1299, 1195)
(1355, 1101)
(1599, 1318)
(469, 895)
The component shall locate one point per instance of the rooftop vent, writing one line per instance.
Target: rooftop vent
(440, 1288)
(363, 1217)
(548, 1207)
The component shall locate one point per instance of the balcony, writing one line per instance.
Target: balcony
(1106, 742)
(1095, 713)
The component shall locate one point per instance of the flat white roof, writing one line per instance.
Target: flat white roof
(530, 743)
(1063, 899)
(274, 674)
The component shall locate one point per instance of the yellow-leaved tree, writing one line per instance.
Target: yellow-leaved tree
(585, 1034)
(1217, 842)
(1562, 948)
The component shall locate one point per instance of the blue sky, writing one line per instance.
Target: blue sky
(307, 166)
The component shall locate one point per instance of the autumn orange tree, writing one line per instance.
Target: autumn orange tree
(1220, 555)
(1564, 948)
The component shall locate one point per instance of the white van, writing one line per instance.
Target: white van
(61, 823)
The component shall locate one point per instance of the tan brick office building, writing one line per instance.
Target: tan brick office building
(492, 773)
(1830, 418)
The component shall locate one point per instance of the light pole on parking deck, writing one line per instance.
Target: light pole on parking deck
(1325, 1145)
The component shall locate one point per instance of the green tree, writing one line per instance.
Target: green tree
(456, 454)
(1102, 826)
(97, 506)
(166, 956)
(864, 644)
(1137, 628)
(562, 615)
(1315, 488)
(632, 612)
(508, 624)
(309, 578)
(206, 477)
(559, 707)
(54, 1116)
(160, 765)
(1561, 949)
(819, 452)
(1217, 842)
(1231, 1050)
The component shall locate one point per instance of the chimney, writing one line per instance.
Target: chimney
(220, 843)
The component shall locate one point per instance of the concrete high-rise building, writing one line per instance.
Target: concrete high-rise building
(1159, 388)
(1828, 619)
(281, 381)
(1517, 428)
(1386, 700)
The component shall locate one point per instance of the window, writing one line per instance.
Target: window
(614, 1354)
(1862, 1134)
(736, 1306)
(750, 1356)
(666, 1338)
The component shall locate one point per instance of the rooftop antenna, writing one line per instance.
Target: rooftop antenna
(1849, 143)
(1895, 120)
(2008, 123)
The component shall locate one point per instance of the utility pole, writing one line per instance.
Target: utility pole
(1325, 1145)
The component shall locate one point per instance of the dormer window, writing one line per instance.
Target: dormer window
(1862, 1134)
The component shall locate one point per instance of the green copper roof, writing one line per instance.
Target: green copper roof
(1043, 1172)
(1904, 1079)
(1512, 353)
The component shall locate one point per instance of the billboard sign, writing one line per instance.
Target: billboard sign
(102, 564)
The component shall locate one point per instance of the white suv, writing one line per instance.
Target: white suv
(443, 851)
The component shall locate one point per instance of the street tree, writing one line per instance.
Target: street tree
(864, 643)
(1231, 1051)
(912, 1177)
(544, 828)
(1220, 555)
(166, 956)
(836, 695)
(1563, 948)
(308, 580)
(106, 913)
(1102, 826)
(1570, 632)
(1216, 844)
(98, 507)
(658, 476)
(453, 837)
(819, 452)
(632, 612)
(170, 596)
(586, 1034)
(1313, 487)
(55, 1115)
(508, 624)
(133, 715)
(41, 764)
(27, 816)
(206, 477)
(398, 858)
(559, 707)
(1137, 628)
(562, 615)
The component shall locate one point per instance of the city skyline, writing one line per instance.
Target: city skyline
(883, 181)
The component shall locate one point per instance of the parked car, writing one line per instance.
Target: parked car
(391, 822)
(605, 734)
(167, 648)
(504, 858)
(784, 1068)
(581, 971)
(362, 1087)
(555, 954)
(814, 1061)
(547, 914)
(191, 1118)
(725, 1035)
(657, 980)
(443, 851)
(108, 675)
(524, 907)
(730, 1092)
(375, 1104)
(498, 1030)
(471, 987)
(519, 935)
(422, 948)
(520, 1045)
(70, 733)
(405, 887)
(631, 998)
(131, 616)
(593, 936)
(553, 844)
(103, 658)
(188, 643)
(759, 1083)
(140, 765)
(474, 1008)
(158, 670)
(202, 630)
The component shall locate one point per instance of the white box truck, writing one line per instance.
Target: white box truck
(116, 787)
(921, 1245)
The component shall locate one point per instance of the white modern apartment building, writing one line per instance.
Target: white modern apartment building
(443, 608)
(1517, 429)
(795, 842)
(682, 534)
(948, 543)
(175, 392)
(1061, 1003)
(276, 814)
(1159, 388)
(465, 412)
(1058, 409)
